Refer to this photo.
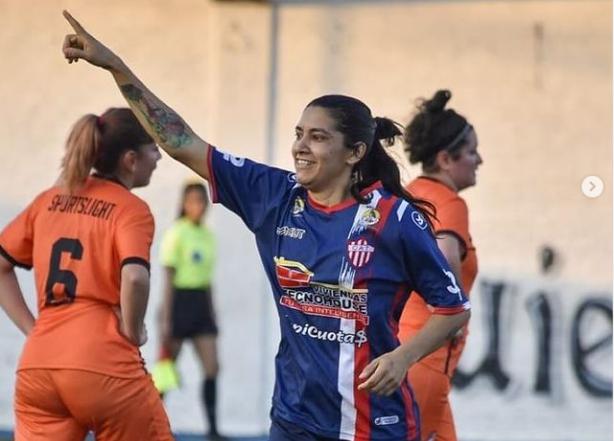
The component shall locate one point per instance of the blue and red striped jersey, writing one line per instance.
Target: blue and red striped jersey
(340, 276)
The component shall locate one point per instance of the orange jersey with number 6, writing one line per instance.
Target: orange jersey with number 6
(77, 244)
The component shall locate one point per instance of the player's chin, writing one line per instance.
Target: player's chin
(303, 179)
(142, 183)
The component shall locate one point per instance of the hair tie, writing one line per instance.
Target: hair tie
(99, 122)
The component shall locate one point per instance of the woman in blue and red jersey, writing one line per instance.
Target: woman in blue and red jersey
(342, 244)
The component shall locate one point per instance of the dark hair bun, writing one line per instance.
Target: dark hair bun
(438, 102)
(432, 128)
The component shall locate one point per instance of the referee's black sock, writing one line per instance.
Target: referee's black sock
(209, 397)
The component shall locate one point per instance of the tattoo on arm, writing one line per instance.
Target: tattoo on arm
(169, 128)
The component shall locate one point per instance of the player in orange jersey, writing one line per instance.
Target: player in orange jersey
(88, 240)
(445, 144)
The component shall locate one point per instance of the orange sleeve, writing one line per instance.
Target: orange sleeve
(134, 234)
(16, 243)
(453, 217)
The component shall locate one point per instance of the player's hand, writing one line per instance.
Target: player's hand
(384, 374)
(142, 337)
(82, 45)
(137, 341)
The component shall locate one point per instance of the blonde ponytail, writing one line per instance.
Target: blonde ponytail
(82, 149)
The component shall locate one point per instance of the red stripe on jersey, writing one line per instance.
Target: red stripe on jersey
(384, 207)
(362, 357)
(211, 180)
(401, 296)
(410, 416)
(451, 311)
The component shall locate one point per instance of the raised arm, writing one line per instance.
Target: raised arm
(166, 127)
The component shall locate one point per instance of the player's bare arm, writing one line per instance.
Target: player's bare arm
(384, 374)
(167, 128)
(134, 294)
(11, 298)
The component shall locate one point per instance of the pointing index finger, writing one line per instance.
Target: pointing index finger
(74, 23)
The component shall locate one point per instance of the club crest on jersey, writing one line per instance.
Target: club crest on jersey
(419, 220)
(299, 206)
(369, 218)
(359, 252)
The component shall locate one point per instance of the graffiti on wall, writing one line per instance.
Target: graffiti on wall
(588, 339)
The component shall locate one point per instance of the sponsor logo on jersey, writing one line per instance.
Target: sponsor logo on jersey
(299, 206)
(291, 274)
(64, 203)
(386, 420)
(369, 218)
(352, 338)
(359, 252)
(328, 301)
(303, 294)
(419, 220)
(294, 233)
(237, 162)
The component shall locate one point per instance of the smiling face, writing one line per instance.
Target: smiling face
(321, 160)
(462, 171)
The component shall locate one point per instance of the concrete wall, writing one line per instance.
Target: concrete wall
(534, 77)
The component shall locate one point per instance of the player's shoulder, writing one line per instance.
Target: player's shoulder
(432, 190)
(45, 199)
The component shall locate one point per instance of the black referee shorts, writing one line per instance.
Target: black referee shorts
(193, 313)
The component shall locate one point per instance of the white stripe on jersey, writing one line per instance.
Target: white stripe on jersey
(345, 373)
(345, 382)
(401, 210)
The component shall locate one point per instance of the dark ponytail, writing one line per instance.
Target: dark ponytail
(377, 165)
(353, 119)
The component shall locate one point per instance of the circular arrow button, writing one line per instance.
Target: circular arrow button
(592, 186)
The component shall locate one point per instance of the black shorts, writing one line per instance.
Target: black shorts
(193, 313)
